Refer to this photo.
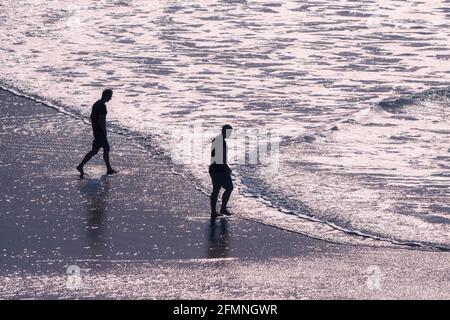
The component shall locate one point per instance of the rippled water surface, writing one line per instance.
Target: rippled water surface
(298, 67)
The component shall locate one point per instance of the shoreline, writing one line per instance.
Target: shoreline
(303, 221)
(148, 218)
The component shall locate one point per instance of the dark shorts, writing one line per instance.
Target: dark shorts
(100, 141)
(221, 179)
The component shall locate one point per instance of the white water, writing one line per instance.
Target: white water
(299, 67)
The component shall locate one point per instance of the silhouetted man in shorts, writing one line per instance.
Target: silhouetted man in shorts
(98, 119)
(220, 172)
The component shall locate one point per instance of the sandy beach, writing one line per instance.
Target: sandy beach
(146, 232)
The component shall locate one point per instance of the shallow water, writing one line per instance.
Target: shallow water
(298, 67)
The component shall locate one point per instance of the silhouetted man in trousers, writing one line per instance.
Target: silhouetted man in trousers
(220, 172)
(98, 119)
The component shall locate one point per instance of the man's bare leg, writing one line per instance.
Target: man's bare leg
(86, 158)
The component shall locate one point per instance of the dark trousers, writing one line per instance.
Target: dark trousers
(220, 180)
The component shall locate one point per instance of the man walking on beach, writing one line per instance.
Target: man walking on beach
(98, 119)
(220, 172)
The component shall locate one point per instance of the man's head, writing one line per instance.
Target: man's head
(107, 95)
(227, 130)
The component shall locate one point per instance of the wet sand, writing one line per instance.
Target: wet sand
(146, 232)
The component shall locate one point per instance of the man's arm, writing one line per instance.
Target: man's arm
(225, 156)
(102, 122)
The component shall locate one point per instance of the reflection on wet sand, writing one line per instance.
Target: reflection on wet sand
(218, 239)
(96, 193)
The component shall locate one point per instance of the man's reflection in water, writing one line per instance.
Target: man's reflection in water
(218, 240)
(96, 193)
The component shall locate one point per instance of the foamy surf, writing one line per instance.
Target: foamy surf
(382, 174)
